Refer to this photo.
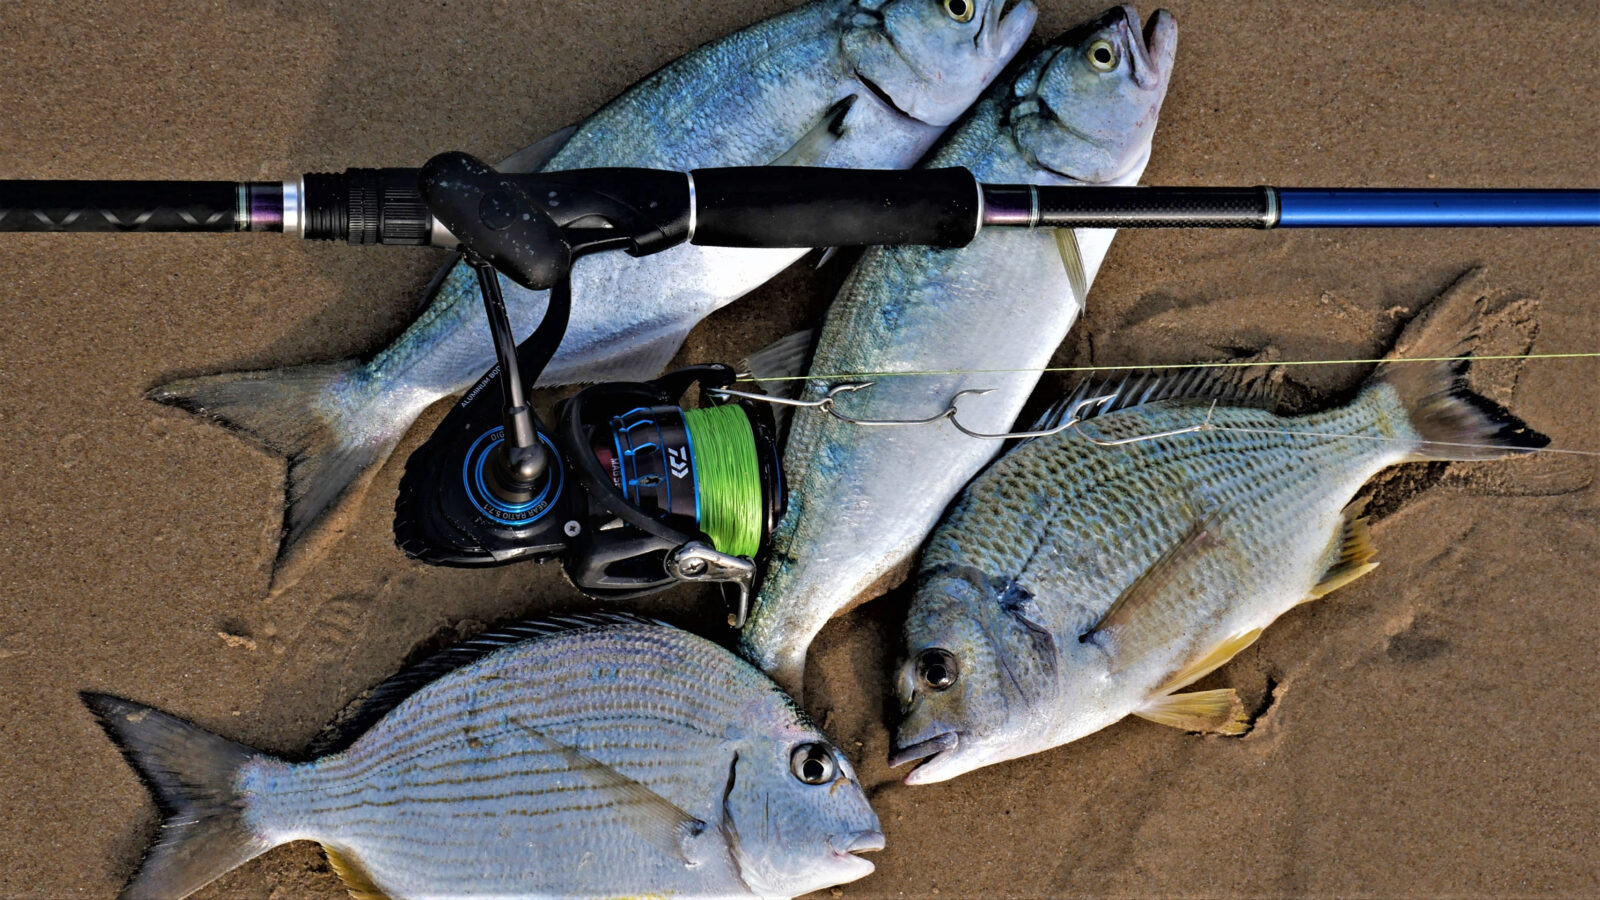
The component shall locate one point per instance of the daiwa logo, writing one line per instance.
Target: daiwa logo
(678, 462)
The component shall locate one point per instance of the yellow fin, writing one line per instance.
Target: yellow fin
(355, 878)
(1072, 261)
(1355, 553)
(1219, 712)
(1211, 662)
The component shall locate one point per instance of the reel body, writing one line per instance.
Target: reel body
(629, 503)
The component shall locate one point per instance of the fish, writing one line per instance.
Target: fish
(1073, 584)
(599, 755)
(868, 83)
(861, 500)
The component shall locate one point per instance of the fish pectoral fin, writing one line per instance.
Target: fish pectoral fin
(1213, 660)
(1131, 632)
(650, 815)
(814, 145)
(533, 157)
(354, 875)
(1214, 712)
(1355, 555)
(1072, 260)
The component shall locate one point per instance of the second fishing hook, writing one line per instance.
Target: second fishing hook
(1074, 417)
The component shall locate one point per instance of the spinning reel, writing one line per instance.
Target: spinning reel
(630, 491)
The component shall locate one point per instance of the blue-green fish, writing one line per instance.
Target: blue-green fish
(1073, 584)
(864, 83)
(861, 500)
(597, 756)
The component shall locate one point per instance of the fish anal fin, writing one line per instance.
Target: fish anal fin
(1213, 660)
(650, 815)
(1355, 554)
(1213, 712)
(1072, 261)
(814, 145)
(1129, 636)
(354, 875)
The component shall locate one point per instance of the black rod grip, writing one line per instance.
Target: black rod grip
(1139, 207)
(78, 206)
(790, 206)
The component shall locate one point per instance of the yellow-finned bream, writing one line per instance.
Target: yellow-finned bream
(1073, 584)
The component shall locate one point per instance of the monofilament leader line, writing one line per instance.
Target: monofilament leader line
(727, 477)
(1225, 364)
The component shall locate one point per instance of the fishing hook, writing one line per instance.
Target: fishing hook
(827, 404)
(1075, 416)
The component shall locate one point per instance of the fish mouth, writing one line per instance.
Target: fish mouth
(1153, 46)
(859, 842)
(924, 750)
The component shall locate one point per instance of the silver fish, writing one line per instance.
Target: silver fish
(1073, 584)
(594, 756)
(870, 83)
(862, 500)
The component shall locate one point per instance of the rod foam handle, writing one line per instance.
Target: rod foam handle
(792, 206)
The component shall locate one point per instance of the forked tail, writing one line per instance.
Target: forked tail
(192, 775)
(1451, 421)
(284, 411)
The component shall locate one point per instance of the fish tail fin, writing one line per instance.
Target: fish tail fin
(192, 775)
(1451, 421)
(329, 467)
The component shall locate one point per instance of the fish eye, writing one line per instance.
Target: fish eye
(813, 763)
(961, 10)
(1102, 55)
(937, 669)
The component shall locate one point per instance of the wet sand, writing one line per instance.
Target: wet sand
(1428, 731)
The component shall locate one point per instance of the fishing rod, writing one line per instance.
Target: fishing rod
(632, 491)
(762, 206)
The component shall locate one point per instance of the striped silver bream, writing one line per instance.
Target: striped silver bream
(601, 758)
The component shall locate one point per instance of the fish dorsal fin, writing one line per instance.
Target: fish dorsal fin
(647, 813)
(1227, 385)
(784, 358)
(1214, 659)
(814, 145)
(354, 875)
(1217, 712)
(533, 157)
(392, 692)
(1072, 260)
(787, 357)
(1133, 625)
(1355, 553)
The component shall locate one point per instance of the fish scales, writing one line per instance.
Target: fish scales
(596, 761)
(1075, 583)
(869, 84)
(1058, 494)
(861, 500)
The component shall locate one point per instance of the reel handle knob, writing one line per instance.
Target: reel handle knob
(495, 219)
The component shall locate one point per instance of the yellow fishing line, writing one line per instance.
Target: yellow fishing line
(1231, 364)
